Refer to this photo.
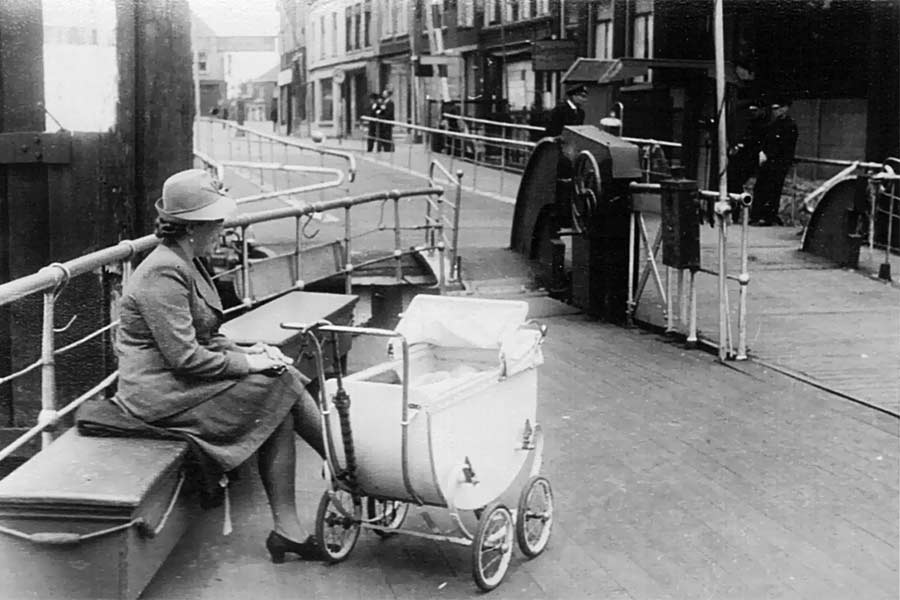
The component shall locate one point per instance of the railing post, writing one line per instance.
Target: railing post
(48, 371)
(629, 316)
(245, 268)
(502, 165)
(298, 233)
(348, 266)
(398, 251)
(744, 280)
(455, 249)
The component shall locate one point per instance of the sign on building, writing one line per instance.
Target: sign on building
(553, 55)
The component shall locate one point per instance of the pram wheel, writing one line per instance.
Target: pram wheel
(492, 547)
(337, 524)
(534, 516)
(386, 513)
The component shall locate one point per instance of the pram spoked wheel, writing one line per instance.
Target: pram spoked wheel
(535, 516)
(337, 524)
(492, 546)
(389, 514)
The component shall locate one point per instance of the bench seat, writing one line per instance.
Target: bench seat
(92, 517)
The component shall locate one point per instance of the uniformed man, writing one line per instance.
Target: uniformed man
(743, 157)
(568, 112)
(775, 159)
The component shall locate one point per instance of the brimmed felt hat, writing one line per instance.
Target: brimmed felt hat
(194, 195)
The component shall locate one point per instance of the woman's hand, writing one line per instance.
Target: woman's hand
(260, 363)
(272, 352)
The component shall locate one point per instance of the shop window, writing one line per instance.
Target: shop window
(327, 100)
(603, 39)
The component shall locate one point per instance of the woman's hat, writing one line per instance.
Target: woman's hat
(194, 195)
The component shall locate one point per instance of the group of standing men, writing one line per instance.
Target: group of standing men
(380, 135)
(766, 150)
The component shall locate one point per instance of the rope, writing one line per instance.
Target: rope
(58, 538)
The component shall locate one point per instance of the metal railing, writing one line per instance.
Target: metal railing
(504, 158)
(51, 282)
(683, 318)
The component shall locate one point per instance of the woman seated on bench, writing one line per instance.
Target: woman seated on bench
(178, 372)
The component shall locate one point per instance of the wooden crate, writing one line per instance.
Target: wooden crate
(92, 507)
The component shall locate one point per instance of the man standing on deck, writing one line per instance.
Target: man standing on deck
(775, 159)
(568, 112)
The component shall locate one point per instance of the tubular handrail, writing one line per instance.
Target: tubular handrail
(524, 127)
(467, 136)
(322, 150)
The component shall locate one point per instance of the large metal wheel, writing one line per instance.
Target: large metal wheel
(587, 191)
(337, 524)
(534, 517)
(389, 514)
(492, 546)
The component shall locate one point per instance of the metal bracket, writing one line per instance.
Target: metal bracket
(29, 147)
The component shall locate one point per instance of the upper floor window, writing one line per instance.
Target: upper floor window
(603, 39)
(465, 13)
(348, 29)
(367, 24)
(642, 46)
(357, 26)
(492, 12)
(542, 8)
(322, 37)
(334, 34)
(202, 60)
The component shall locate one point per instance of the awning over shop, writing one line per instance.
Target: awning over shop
(600, 71)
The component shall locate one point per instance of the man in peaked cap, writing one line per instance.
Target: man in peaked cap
(568, 112)
(775, 159)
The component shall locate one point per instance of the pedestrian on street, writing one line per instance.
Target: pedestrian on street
(568, 112)
(273, 115)
(775, 159)
(386, 130)
(177, 372)
(743, 157)
(374, 110)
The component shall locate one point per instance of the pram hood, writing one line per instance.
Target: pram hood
(474, 323)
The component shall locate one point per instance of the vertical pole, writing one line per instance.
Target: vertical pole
(682, 304)
(692, 318)
(245, 267)
(744, 280)
(670, 303)
(459, 176)
(629, 317)
(722, 208)
(298, 233)
(398, 252)
(348, 266)
(48, 370)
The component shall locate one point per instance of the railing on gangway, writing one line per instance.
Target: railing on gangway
(51, 281)
(687, 307)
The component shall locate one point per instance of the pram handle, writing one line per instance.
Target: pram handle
(404, 423)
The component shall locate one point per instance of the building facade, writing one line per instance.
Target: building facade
(209, 64)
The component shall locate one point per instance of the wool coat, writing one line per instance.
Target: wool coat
(177, 372)
(171, 354)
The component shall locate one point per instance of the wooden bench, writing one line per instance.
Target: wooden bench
(92, 517)
(95, 517)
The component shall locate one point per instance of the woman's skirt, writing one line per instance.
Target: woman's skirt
(232, 425)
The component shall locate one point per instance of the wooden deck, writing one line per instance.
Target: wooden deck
(674, 477)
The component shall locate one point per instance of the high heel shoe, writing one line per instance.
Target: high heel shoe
(278, 546)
